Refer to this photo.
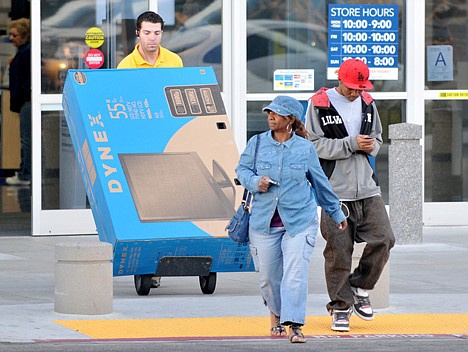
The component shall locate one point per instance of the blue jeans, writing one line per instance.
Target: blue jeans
(25, 136)
(283, 265)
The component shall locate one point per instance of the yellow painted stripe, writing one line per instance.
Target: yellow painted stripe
(259, 326)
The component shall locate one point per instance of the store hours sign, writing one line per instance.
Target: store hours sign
(365, 32)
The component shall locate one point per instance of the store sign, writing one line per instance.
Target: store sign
(293, 80)
(365, 32)
(439, 63)
(94, 58)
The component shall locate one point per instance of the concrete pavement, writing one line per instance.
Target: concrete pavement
(428, 282)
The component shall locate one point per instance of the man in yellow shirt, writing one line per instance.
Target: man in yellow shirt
(149, 53)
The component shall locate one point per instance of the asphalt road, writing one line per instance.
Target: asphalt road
(386, 344)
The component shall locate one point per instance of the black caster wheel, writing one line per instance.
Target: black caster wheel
(208, 283)
(143, 284)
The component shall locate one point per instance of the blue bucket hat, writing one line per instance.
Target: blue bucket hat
(285, 106)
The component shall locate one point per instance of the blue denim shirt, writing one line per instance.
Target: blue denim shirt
(296, 198)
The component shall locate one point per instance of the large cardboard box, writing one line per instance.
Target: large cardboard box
(157, 158)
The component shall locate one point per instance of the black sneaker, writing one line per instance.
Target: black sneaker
(340, 319)
(362, 306)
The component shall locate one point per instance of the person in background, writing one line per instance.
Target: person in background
(149, 53)
(344, 125)
(20, 95)
(287, 183)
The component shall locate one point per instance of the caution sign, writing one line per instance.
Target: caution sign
(454, 95)
(94, 37)
(94, 58)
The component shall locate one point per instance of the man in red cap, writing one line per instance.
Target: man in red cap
(344, 125)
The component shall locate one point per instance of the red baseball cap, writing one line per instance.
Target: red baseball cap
(355, 75)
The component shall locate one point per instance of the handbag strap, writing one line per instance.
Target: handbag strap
(255, 155)
(247, 197)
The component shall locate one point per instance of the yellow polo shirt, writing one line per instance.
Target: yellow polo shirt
(166, 58)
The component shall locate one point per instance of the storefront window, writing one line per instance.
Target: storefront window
(446, 122)
(192, 29)
(62, 187)
(64, 27)
(446, 151)
(196, 35)
(292, 34)
(446, 44)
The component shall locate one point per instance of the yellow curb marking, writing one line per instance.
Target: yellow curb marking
(398, 324)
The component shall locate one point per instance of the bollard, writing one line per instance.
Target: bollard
(83, 278)
(379, 295)
(405, 182)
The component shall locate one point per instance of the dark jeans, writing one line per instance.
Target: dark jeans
(367, 222)
(25, 135)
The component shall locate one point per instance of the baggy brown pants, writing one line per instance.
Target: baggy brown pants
(367, 222)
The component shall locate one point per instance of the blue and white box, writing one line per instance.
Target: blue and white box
(157, 158)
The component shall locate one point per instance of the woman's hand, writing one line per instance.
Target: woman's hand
(264, 184)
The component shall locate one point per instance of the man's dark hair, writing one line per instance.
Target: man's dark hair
(149, 16)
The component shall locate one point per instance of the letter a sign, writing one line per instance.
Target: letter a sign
(439, 63)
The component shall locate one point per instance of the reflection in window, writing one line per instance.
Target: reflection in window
(213, 56)
(62, 186)
(446, 28)
(197, 34)
(446, 151)
(63, 29)
(446, 122)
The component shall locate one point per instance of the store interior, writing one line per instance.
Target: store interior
(15, 201)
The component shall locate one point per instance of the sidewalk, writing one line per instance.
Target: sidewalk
(428, 278)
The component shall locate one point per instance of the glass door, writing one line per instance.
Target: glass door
(73, 34)
(97, 34)
(446, 112)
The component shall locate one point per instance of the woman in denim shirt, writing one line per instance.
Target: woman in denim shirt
(287, 182)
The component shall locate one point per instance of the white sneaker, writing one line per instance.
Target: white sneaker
(340, 319)
(362, 306)
(15, 181)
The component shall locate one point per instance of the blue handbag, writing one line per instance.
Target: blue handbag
(238, 226)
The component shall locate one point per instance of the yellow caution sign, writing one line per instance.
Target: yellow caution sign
(94, 37)
(454, 95)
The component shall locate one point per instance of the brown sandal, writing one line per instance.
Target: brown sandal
(296, 335)
(277, 330)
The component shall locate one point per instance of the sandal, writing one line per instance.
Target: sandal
(277, 330)
(296, 335)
